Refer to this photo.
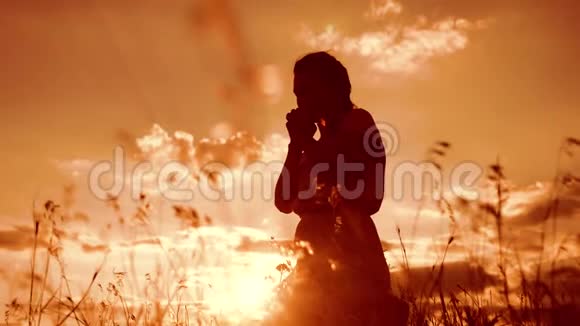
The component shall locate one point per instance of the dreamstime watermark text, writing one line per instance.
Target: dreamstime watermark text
(216, 181)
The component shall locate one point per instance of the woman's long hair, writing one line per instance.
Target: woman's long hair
(331, 71)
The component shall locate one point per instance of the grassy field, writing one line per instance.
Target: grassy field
(501, 284)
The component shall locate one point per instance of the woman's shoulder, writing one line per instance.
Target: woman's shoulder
(358, 119)
(360, 113)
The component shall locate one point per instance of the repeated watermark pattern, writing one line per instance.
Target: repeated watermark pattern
(215, 181)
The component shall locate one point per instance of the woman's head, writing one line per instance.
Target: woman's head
(321, 85)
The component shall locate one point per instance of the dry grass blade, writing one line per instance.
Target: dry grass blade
(85, 295)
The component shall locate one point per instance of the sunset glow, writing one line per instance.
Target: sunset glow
(143, 141)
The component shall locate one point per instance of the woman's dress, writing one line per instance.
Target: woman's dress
(342, 277)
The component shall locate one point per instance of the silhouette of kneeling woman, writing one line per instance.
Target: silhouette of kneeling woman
(334, 184)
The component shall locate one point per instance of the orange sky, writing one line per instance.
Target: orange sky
(74, 75)
(493, 78)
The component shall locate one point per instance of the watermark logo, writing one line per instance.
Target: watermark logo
(381, 140)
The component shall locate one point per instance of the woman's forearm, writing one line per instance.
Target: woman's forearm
(286, 186)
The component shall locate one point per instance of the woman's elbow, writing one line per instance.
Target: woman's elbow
(283, 206)
(372, 206)
(373, 209)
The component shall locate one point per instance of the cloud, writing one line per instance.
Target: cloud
(563, 275)
(526, 206)
(379, 9)
(156, 241)
(468, 276)
(393, 48)
(530, 205)
(19, 238)
(91, 248)
(159, 146)
(275, 246)
(523, 215)
(566, 279)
